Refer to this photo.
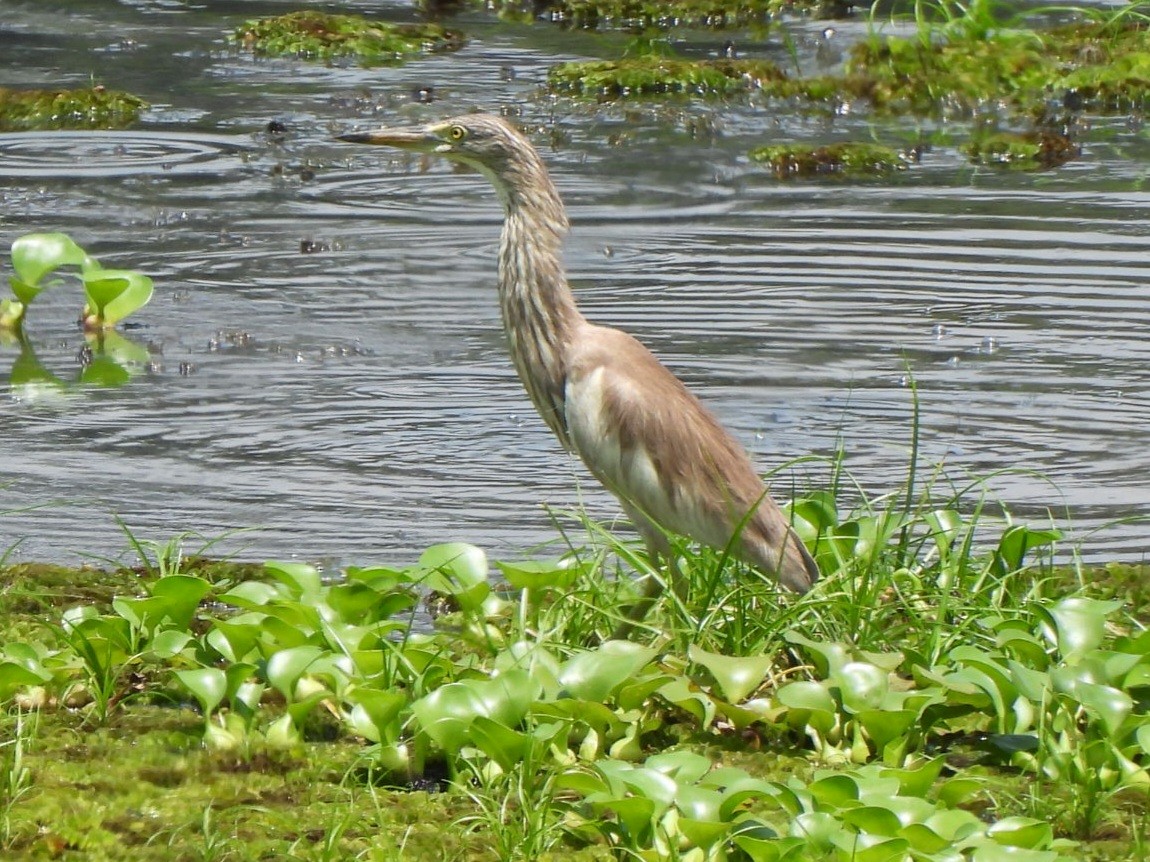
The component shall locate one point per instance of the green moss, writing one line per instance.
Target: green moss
(1034, 150)
(653, 75)
(319, 36)
(847, 159)
(88, 108)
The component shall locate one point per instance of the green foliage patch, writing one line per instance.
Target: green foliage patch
(82, 108)
(313, 35)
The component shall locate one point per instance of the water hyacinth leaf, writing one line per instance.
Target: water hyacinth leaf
(169, 643)
(182, 595)
(446, 714)
(862, 685)
(301, 579)
(208, 685)
(540, 664)
(375, 714)
(872, 848)
(14, 676)
(818, 828)
(1080, 625)
(249, 595)
(735, 677)
(1106, 703)
(686, 767)
(453, 567)
(704, 834)
(594, 674)
(884, 727)
(113, 294)
(1023, 832)
(499, 742)
(955, 791)
(286, 666)
(740, 791)
(806, 694)
(873, 819)
(34, 255)
(700, 804)
(835, 790)
(916, 780)
(1016, 542)
(541, 574)
(826, 657)
(682, 694)
(763, 846)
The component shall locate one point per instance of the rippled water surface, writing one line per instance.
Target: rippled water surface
(328, 364)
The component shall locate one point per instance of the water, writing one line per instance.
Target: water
(327, 361)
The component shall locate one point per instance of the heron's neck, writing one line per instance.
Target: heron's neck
(539, 311)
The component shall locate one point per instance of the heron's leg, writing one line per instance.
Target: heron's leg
(652, 589)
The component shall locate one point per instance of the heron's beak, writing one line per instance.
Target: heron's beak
(405, 139)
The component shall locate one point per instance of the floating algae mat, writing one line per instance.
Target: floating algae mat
(655, 75)
(324, 37)
(1026, 151)
(849, 159)
(85, 108)
(1100, 66)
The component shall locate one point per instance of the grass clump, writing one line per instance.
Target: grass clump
(311, 35)
(851, 159)
(656, 75)
(81, 108)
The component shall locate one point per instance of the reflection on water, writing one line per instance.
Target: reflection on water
(325, 360)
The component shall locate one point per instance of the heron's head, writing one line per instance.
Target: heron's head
(483, 141)
(489, 144)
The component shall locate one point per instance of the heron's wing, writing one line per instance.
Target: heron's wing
(652, 443)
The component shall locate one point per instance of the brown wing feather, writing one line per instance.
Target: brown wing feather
(654, 444)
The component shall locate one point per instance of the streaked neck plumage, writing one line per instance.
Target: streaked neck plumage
(539, 311)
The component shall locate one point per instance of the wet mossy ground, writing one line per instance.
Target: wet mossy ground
(142, 787)
(324, 37)
(84, 108)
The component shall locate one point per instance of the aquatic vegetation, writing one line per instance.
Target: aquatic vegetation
(82, 108)
(112, 294)
(313, 35)
(656, 75)
(924, 652)
(1035, 150)
(848, 159)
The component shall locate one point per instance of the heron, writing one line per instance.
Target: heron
(642, 434)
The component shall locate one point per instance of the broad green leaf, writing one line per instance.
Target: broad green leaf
(453, 567)
(113, 294)
(1022, 832)
(14, 676)
(593, 675)
(686, 767)
(736, 677)
(302, 579)
(1107, 703)
(208, 685)
(806, 694)
(862, 685)
(873, 819)
(286, 666)
(835, 790)
(818, 828)
(541, 574)
(1081, 625)
(827, 657)
(34, 255)
(375, 714)
(884, 727)
(702, 833)
(499, 742)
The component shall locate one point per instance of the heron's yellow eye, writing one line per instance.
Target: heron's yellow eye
(457, 133)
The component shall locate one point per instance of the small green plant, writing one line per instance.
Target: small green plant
(112, 294)
(15, 776)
